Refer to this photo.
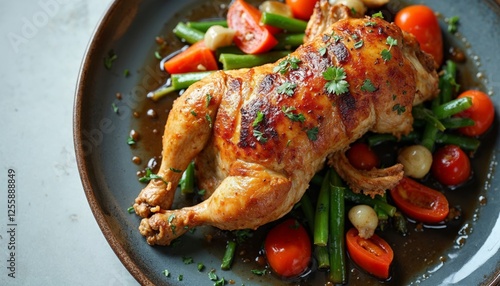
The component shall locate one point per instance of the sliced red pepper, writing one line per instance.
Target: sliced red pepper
(195, 58)
(374, 255)
(419, 201)
(250, 37)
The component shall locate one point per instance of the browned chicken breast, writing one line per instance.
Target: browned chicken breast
(259, 135)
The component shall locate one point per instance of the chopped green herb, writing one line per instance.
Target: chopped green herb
(391, 42)
(180, 277)
(200, 266)
(130, 210)
(175, 170)
(220, 282)
(209, 119)
(166, 273)
(158, 56)
(386, 55)
(126, 72)
(259, 272)
(259, 136)
(378, 15)
(355, 37)
(453, 24)
(243, 234)
(202, 192)
(312, 133)
(194, 113)
(109, 59)
(187, 260)
(322, 51)
(258, 119)
(212, 276)
(130, 141)
(368, 86)
(287, 88)
(358, 44)
(209, 98)
(172, 226)
(292, 116)
(115, 108)
(150, 176)
(399, 108)
(290, 63)
(336, 80)
(370, 24)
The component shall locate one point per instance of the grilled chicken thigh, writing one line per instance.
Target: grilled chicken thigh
(259, 135)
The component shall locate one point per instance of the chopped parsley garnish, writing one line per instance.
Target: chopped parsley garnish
(322, 51)
(370, 24)
(212, 276)
(258, 119)
(130, 210)
(187, 260)
(292, 116)
(150, 176)
(259, 136)
(243, 234)
(453, 24)
(336, 80)
(209, 98)
(126, 72)
(259, 272)
(378, 15)
(368, 86)
(209, 119)
(290, 63)
(386, 55)
(355, 37)
(312, 133)
(180, 277)
(166, 273)
(202, 192)
(399, 109)
(158, 56)
(115, 108)
(193, 113)
(287, 88)
(391, 42)
(130, 141)
(358, 44)
(109, 59)
(170, 220)
(200, 266)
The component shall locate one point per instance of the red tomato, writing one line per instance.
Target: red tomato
(450, 165)
(374, 255)
(420, 21)
(481, 111)
(420, 202)
(288, 248)
(250, 37)
(302, 9)
(362, 157)
(195, 58)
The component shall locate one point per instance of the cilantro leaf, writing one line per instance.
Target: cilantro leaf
(336, 80)
(150, 176)
(391, 42)
(312, 133)
(368, 86)
(386, 55)
(294, 117)
(258, 119)
(378, 15)
(290, 63)
(399, 108)
(259, 136)
(358, 44)
(453, 24)
(287, 88)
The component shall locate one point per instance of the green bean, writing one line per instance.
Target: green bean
(308, 210)
(464, 142)
(190, 35)
(317, 179)
(321, 215)
(228, 257)
(429, 137)
(178, 82)
(452, 107)
(366, 200)
(420, 112)
(447, 82)
(288, 41)
(203, 26)
(289, 24)
(338, 270)
(457, 122)
(187, 180)
(323, 256)
(234, 61)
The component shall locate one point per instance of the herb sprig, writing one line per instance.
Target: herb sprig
(336, 80)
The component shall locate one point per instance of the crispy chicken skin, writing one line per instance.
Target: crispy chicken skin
(256, 147)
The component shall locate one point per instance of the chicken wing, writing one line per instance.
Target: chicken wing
(259, 135)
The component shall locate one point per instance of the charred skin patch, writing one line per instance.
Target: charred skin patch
(340, 51)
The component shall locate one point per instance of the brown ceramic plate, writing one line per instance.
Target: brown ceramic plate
(108, 175)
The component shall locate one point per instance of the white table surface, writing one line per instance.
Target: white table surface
(57, 240)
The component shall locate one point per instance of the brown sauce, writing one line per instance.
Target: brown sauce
(413, 254)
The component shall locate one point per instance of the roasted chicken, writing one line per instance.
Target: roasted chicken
(259, 135)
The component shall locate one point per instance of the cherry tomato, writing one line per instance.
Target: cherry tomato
(302, 9)
(362, 157)
(250, 37)
(420, 21)
(288, 248)
(374, 255)
(481, 111)
(420, 202)
(450, 165)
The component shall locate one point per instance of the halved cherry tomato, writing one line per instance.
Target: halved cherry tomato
(420, 21)
(420, 202)
(250, 37)
(195, 58)
(481, 111)
(362, 157)
(450, 165)
(288, 248)
(302, 9)
(374, 255)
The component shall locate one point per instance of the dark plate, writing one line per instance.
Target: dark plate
(108, 175)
